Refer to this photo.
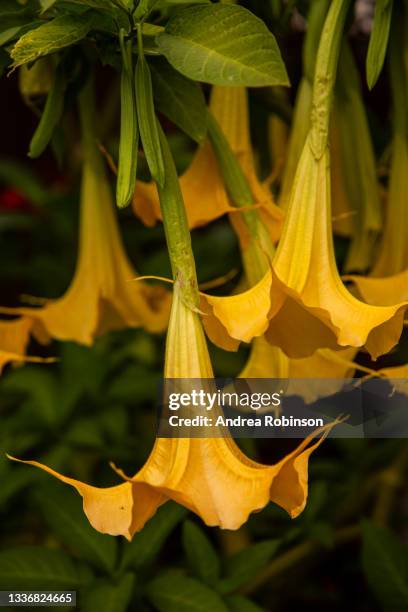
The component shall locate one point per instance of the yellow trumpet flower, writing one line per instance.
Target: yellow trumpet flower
(302, 304)
(204, 193)
(210, 476)
(101, 296)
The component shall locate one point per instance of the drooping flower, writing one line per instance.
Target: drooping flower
(302, 305)
(101, 296)
(210, 476)
(204, 192)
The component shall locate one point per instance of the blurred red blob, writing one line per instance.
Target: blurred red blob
(13, 200)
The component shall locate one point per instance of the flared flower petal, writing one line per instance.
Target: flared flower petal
(242, 317)
(203, 189)
(102, 296)
(119, 510)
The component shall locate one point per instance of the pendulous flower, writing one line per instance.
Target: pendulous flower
(101, 296)
(209, 476)
(302, 305)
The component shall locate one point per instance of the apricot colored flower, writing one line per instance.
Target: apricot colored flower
(102, 296)
(210, 476)
(302, 304)
(204, 192)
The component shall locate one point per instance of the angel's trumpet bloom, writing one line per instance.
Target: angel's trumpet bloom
(302, 305)
(210, 476)
(102, 296)
(204, 192)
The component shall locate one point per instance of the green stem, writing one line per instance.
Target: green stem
(235, 181)
(325, 75)
(256, 255)
(176, 228)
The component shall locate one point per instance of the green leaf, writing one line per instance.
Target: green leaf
(33, 567)
(62, 510)
(224, 45)
(146, 544)
(385, 563)
(108, 596)
(40, 389)
(378, 40)
(12, 482)
(200, 553)
(61, 32)
(147, 117)
(180, 99)
(175, 593)
(236, 603)
(246, 564)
